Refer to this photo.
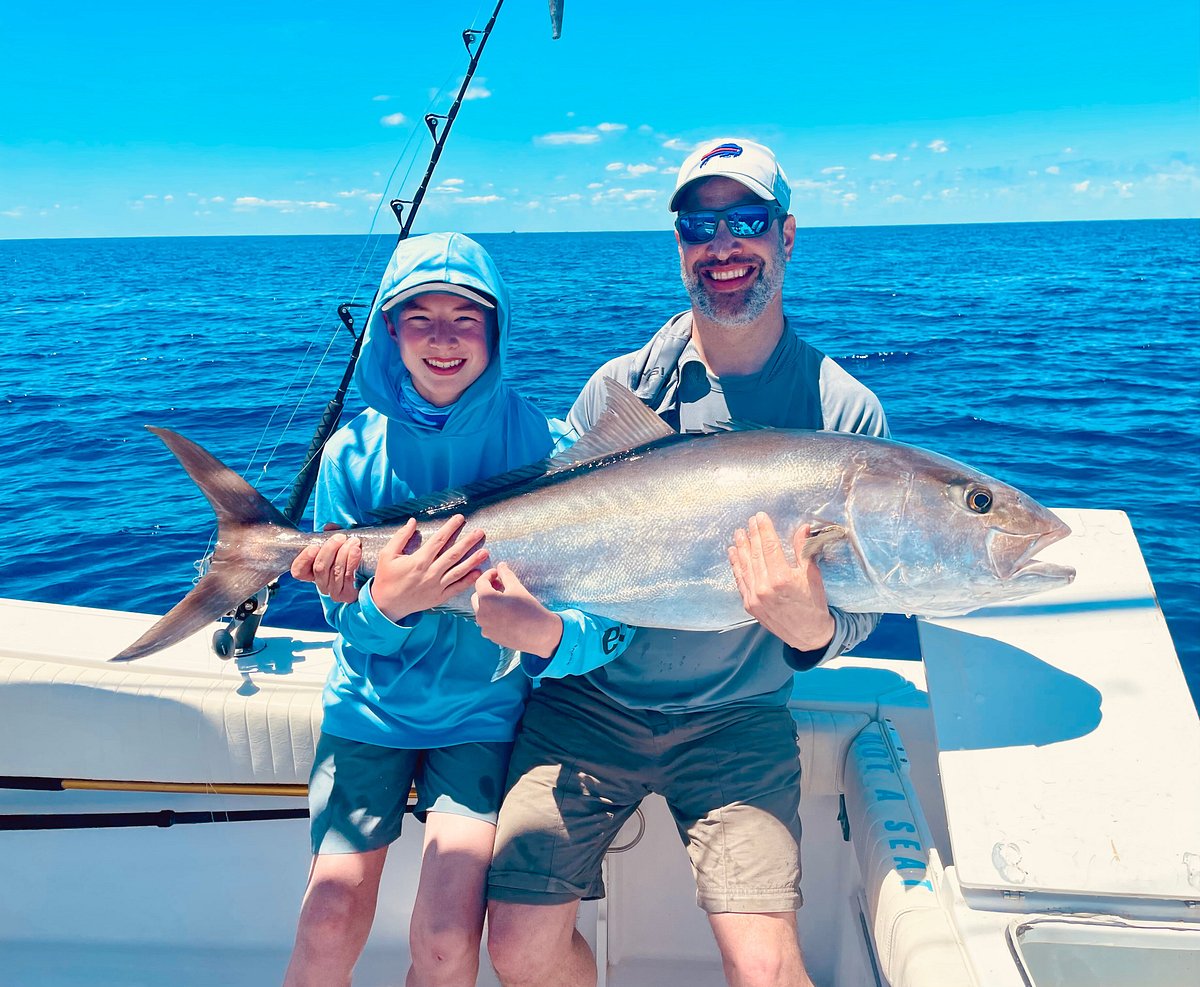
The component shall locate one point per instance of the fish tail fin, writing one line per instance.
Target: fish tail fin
(245, 522)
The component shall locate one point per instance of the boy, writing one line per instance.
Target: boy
(409, 698)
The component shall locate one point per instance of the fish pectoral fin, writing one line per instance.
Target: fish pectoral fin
(509, 660)
(821, 536)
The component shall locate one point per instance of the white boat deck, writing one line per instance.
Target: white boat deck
(1053, 727)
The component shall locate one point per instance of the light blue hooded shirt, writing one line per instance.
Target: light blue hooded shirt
(424, 682)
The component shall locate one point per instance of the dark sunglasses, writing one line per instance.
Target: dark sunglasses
(741, 221)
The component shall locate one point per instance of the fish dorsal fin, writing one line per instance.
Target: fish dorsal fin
(624, 424)
(444, 503)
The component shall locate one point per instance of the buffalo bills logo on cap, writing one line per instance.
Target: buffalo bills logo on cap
(723, 151)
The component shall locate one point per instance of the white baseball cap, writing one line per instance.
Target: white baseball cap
(751, 164)
(439, 288)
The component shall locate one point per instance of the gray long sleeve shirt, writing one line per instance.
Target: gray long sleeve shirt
(798, 387)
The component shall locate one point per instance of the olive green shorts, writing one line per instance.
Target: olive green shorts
(358, 792)
(583, 762)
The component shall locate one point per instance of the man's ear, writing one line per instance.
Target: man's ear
(789, 235)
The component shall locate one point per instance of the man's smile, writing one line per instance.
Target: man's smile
(728, 277)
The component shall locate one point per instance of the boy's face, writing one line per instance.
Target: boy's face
(444, 342)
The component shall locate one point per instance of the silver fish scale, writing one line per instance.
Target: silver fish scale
(644, 540)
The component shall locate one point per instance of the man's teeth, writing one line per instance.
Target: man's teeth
(730, 275)
(444, 364)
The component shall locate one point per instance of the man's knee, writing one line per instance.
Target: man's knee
(523, 939)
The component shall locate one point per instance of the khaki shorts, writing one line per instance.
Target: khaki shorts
(583, 762)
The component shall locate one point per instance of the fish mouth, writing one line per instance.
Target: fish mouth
(1013, 553)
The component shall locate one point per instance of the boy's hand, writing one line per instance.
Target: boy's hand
(509, 615)
(332, 565)
(436, 571)
(788, 600)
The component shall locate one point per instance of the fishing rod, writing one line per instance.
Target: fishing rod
(237, 637)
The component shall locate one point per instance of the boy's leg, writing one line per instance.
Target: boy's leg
(459, 799)
(447, 917)
(357, 795)
(335, 919)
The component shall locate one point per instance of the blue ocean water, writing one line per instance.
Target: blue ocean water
(1059, 357)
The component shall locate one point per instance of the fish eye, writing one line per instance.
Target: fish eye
(979, 500)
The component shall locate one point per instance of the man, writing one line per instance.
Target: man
(656, 710)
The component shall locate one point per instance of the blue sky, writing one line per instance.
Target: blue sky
(132, 119)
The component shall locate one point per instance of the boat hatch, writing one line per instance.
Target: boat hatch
(1060, 792)
(1052, 953)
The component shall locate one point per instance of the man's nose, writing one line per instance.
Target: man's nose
(723, 242)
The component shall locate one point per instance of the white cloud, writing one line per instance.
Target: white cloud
(645, 128)
(244, 202)
(1082, 186)
(478, 200)
(14, 213)
(893, 199)
(1053, 170)
(568, 137)
(361, 193)
(891, 156)
(381, 98)
(641, 194)
(1124, 189)
(675, 144)
(392, 119)
(149, 195)
(608, 128)
(476, 90)
(595, 185)
(833, 170)
(614, 166)
(533, 204)
(641, 169)
(1068, 150)
(938, 146)
(168, 197)
(849, 198)
(573, 197)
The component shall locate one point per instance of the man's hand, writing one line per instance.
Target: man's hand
(788, 600)
(331, 565)
(509, 615)
(439, 569)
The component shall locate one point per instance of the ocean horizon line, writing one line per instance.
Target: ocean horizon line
(667, 229)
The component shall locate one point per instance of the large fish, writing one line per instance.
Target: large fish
(633, 522)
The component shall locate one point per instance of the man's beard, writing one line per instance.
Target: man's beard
(737, 309)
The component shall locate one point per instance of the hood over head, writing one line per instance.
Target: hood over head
(440, 261)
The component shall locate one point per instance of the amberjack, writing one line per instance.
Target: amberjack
(634, 520)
